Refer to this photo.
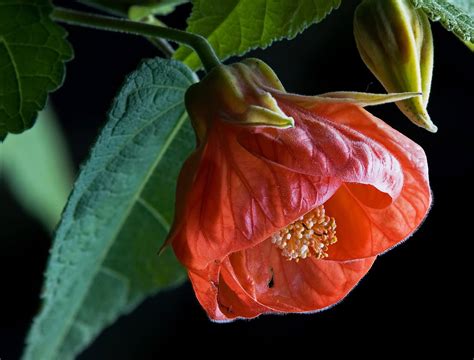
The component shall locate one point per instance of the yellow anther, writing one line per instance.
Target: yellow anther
(310, 235)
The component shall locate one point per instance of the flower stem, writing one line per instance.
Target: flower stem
(160, 43)
(163, 46)
(198, 43)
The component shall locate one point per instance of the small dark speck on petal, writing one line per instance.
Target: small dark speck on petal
(271, 282)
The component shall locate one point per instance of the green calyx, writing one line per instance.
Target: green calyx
(395, 42)
(237, 94)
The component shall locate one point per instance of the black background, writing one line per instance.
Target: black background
(416, 299)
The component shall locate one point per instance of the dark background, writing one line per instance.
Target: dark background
(416, 299)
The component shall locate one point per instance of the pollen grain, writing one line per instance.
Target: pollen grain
(308, 236)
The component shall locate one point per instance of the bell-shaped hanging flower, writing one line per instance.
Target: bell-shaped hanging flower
(288, 199)
(395, 41)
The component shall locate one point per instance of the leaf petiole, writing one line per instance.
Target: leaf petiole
(198, 43)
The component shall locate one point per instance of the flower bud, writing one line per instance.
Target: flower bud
(395, 42)
(238, 94)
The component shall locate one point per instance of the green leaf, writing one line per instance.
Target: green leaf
(117, 7)
(136, 9)
(163, 7)
(38, 169)
(104, 260)
(469, 44)
(456, 15)
(33, 51)
(234, 27)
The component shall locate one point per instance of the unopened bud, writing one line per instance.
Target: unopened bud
(238, 94)
(395, 41)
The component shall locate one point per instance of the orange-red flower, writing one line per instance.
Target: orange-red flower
(288, 199)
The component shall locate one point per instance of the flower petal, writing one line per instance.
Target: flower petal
(288, 286)
(222, 302)
(236, 200)
(260, 281)
(205, 284)
(319, 146)
(364, 229)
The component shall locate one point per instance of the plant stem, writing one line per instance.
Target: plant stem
(198, 43)
(163, 46)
